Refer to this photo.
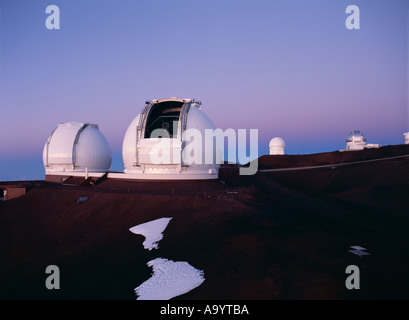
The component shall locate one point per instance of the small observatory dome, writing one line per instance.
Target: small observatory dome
(147, 155)
(356, 140)
(277, 146)
(77, 147)
(406, 137)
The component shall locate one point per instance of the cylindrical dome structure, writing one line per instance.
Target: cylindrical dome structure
(168, 140)
(77, 147)
(356, 140)
(406, 137)
(277, 146)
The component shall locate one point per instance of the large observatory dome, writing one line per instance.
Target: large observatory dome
(277, 146)
(77, 147)
(156, 146)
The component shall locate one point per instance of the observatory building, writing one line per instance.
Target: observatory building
(406, 137)
(76, 149)
(166, 141)
(154, 146)
(356, 141)
(277, 146)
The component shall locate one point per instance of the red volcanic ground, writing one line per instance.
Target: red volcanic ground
(275, 235)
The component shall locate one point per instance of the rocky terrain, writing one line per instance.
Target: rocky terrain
(280, 234)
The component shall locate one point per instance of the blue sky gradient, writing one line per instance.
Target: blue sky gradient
(288, 68)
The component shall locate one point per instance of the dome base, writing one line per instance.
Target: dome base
(61, 176)
(356, 145)
(184, 175)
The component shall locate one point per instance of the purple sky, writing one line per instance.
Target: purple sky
(289, 68)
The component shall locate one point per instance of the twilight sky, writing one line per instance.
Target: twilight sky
(288, 68)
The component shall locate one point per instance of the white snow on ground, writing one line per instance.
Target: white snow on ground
(169, 279)
(152, 231)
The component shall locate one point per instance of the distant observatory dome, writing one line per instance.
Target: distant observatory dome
(277, 146)
(173, 117)
(406, 137)
(356, 140)
(77, 147)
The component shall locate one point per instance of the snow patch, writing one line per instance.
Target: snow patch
(152, 231)
(170, 279)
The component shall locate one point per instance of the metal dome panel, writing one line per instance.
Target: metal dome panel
(356, 136)
(77, 146)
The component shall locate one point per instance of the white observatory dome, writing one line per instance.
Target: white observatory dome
(277, 146)
(174, 118)
(406, 137)
(77, 147)
(356, 140)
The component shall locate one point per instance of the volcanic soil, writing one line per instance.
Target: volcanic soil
(280, 234)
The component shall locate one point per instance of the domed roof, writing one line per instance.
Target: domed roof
(169, 120)
(277, 142)
(356, 136)
(75, 146)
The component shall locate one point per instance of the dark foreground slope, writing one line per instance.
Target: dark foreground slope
(277, 235)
